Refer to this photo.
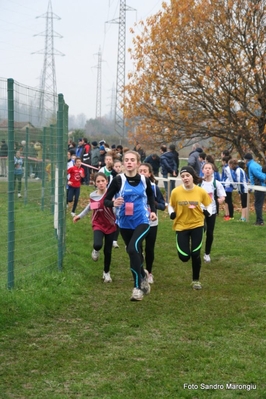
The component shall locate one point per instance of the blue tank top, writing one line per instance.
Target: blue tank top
(136, 196)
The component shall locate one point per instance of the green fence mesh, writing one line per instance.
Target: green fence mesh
(33, 144)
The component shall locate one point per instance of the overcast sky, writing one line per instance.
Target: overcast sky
(84, 30)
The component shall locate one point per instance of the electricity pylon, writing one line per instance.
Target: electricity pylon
(121, 67)
(48, 89)
(99, 86)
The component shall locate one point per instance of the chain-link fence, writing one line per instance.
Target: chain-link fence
(33, 147)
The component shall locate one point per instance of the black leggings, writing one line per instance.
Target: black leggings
(98, 237)
(149, 247)
(116, 234)
(229, 202)
(133, 240)
(71, 193)
(17, 178)
(210, 224)
(186, 249)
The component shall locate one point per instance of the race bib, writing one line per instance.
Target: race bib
(94, 205)
(129, 208)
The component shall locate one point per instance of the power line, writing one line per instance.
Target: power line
(121, 65)
(48, 89)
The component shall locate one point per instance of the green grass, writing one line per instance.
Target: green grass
(68, 335)
(35, 240)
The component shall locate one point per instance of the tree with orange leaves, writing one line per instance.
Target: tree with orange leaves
(200, 74)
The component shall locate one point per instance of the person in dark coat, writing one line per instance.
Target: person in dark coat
(154, 161)
(168, 166)
(193, 158)
(141, 152)
(173, 150)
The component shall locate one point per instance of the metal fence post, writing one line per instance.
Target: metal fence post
(26, 166)
(11, 215)
(43, 165)
(61, 168)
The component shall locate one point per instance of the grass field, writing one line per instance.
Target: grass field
(68, 335)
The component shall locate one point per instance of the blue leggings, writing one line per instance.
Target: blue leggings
(189, 243)
(133, 240)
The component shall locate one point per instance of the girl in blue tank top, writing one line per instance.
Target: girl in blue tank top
(129, 193)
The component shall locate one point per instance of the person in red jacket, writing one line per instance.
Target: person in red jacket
(76, 173)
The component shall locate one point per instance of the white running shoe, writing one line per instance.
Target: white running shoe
(145, 286)
(150, 279)
(73, 214)
(196, 285)
(115, 245)
(107, 277)
(95, 255)
(206, 258)
(137, 295)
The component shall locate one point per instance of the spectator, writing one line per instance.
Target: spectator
(240, 177)
(80, 149)
(95, 155)
(154, 161)
(3, 156)
(119, 150)
(202, 159)
(102, 151)
(225, 153)
(228, 183)
(86, 160)
(168, 166)
(173, 150)
(217, 194)
(38, 171)
(257, 178)
(18, 172)
(193, 158)
(140, 150)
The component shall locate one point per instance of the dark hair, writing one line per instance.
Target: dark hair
(100, 174)
(210, 159)
(233, 163)
(242, 164)
(163, 148)
(226, 159)
(148, 165)
(189, 169)
(202, 155)
(172, 147)
(226, 153)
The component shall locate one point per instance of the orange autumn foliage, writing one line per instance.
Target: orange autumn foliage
(200, 74)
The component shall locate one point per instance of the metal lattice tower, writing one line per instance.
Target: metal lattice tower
(99, 86)
(121, 66)
(112, 108)
(48, 89)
